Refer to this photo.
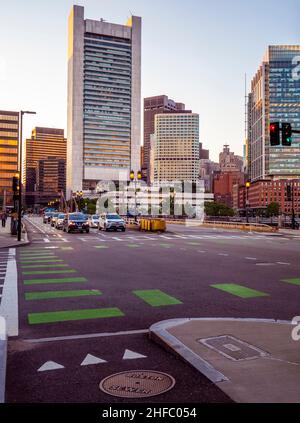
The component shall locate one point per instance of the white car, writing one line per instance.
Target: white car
(94, 221)
(59, 221)
(111, 221)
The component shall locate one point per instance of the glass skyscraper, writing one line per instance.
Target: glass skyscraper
(274, 97)
(104, 100)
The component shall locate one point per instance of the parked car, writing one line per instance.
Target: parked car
(111, 221)
(60, 220)
(94, 221)
(76, 222)
(47, 217)
(53, 219)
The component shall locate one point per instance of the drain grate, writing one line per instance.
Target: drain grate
(137, 384)
(233, 348)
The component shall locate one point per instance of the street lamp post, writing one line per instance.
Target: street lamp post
(20, 171)
(248, 185)
(135, 179)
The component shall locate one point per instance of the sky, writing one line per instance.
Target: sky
(195, 51)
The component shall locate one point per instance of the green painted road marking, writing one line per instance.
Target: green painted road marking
(36, 266)
(61, 294)
(295, 281)
(55, 280)
(47, 272)
(41, 261)
(102, 247)
(27, 256)
(239, 291)
(166, 245)
(133, 245)
(156, 298)
(68, 315)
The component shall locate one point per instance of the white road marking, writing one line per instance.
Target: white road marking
(131, 355)
(9, 304)
(91, 360)
(200, 251)
(265, 264)
(283, 263)
(250, 258)
(46, 240)
(50, 365)
(89, 336)
(223, 254)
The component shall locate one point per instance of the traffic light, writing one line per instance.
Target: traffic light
(15, 184)
(274, 134)
(289, 192)
(286, 134)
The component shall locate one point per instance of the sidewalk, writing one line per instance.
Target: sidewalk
(8, 240)
(251, 360)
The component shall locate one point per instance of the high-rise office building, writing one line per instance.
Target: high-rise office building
(230, 162)
(176, 147)
(153, 106)
(9, 136)
(51, 178)
(104, 100)
(44, 143)
(274, 97)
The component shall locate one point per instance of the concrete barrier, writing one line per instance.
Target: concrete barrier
(248, 227)
(3, 354)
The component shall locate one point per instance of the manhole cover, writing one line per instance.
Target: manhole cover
(137, 384)
(233, 348)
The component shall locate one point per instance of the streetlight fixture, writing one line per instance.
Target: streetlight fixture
(135, 179)
(248, 185)
(22, 113)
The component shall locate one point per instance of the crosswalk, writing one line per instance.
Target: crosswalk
(140, 237)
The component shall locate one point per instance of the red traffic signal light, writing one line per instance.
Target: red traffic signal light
(274, 134)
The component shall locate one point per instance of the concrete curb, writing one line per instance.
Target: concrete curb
(159, 333)
(3, 356)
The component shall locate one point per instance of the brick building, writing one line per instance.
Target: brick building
(223, 186)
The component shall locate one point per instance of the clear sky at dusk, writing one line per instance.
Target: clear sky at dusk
(194, 51)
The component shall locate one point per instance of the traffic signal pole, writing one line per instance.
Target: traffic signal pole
(20, 180)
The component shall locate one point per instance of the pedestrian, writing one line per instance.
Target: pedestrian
(4, 218)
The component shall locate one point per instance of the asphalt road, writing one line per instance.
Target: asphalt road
(98, 293)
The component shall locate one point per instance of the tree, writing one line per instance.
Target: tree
(273, 209)
(217, 209)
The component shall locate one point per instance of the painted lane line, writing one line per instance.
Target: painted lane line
(9, 305)
(265, 264)
(73, 315)
(223, 254)
(250, 258)
(46, 240)
(283, 263)
(88, 336)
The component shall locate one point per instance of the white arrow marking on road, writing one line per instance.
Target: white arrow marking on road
(131, 355)
(50, 365)
(91, 359)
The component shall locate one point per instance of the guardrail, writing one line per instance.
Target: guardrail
(3, 356)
